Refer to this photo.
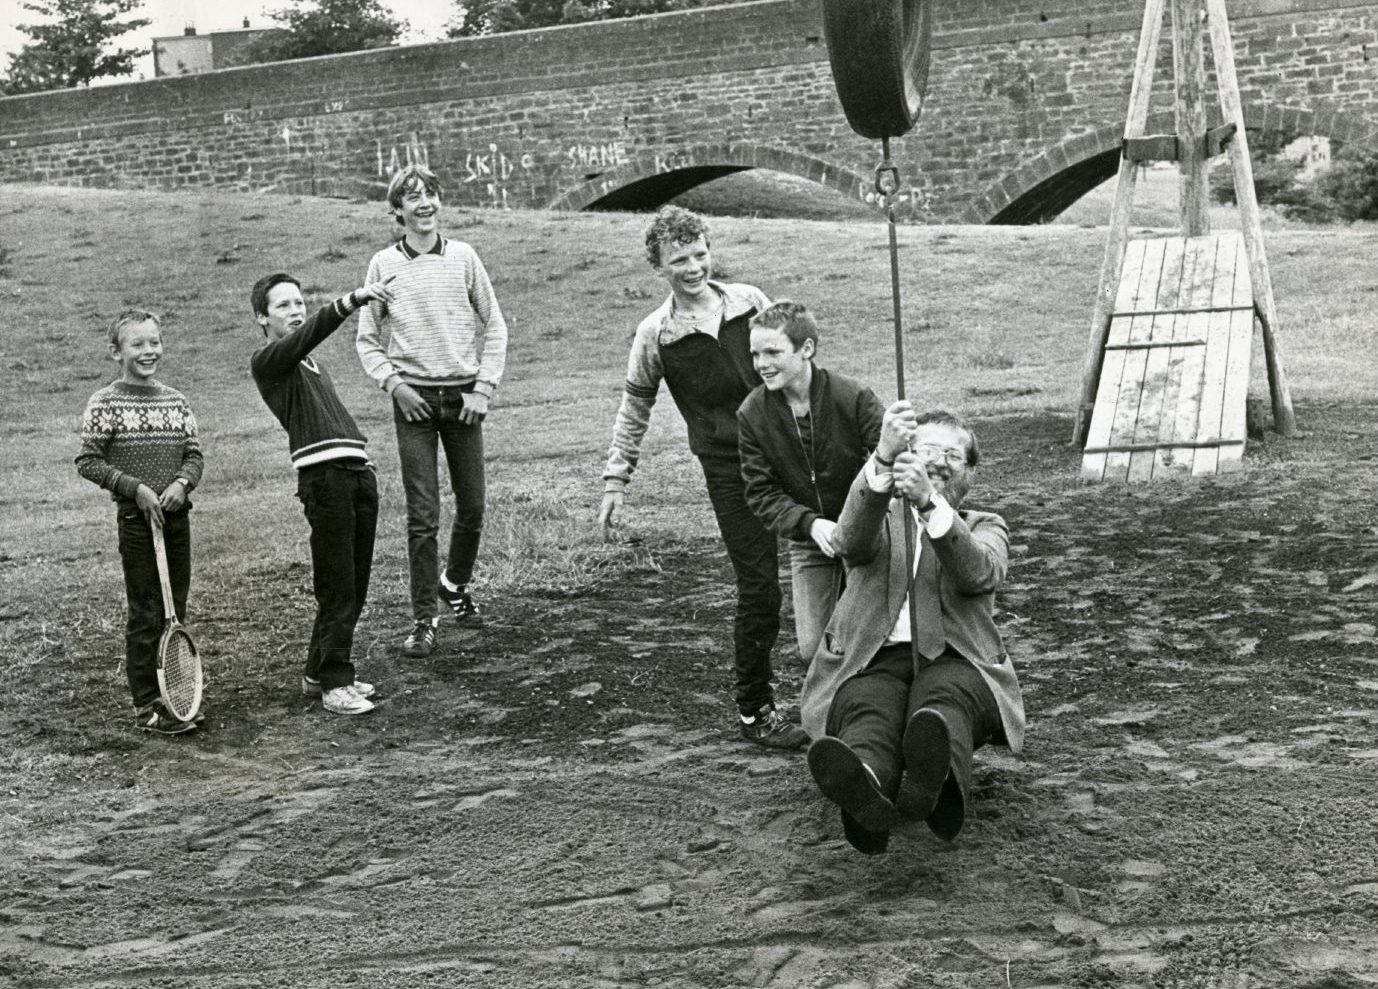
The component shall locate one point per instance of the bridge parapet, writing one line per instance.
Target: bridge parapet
(1023, 93)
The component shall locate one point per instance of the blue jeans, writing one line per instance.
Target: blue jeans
(341, 504)
(144, 625)
(417, 443)
(815, 583)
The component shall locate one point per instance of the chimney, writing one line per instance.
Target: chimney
(189, 31)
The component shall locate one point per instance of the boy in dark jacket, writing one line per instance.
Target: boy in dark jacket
(335, 480)
(803, 435)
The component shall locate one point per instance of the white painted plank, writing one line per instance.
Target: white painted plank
(1182, 395)
(1155, 374)
(1127, 294)
(1209, 421)
(1241, 336)
(1126, 413)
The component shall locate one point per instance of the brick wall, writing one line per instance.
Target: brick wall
(554, 116)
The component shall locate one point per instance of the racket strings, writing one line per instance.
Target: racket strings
(181, 675)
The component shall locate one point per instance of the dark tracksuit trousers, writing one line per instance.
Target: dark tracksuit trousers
(340, 499)
(754, 552)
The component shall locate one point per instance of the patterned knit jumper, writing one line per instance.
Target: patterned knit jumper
(138, 434)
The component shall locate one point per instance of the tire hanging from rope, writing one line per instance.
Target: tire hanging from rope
(879, 51)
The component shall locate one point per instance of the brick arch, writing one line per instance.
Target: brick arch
(649, 180)
(1044, 186)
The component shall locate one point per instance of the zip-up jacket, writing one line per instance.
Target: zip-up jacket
(707, 376)
(781, 488)
(302, 396)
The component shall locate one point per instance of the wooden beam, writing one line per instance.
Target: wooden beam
(1155, 343)
(1171, 147)
(1147, 447)
(1152, 147)
(1284, 419)
(1113, 258)
(1183, 310)
(1189, 73)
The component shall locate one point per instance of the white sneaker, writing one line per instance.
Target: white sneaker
(345, 700)
(311, 687)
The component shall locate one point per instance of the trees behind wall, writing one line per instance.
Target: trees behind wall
(323, 27)
(72, 45)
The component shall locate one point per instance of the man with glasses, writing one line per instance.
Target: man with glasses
(895, 717)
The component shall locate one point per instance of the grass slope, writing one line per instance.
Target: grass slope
(995, 322)
(560, 799)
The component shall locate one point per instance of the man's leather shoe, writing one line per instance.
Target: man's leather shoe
(926, 749)
(849, 783)
(946, 819)
(865, 842)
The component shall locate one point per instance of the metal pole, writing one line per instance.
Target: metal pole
(887, 185)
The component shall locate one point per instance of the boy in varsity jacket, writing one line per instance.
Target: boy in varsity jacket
(439, 351)
(335, 480)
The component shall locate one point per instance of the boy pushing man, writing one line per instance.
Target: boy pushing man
(335, 480)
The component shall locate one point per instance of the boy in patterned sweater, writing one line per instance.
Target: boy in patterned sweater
(441, 380)
(335, 480)
(138, 441)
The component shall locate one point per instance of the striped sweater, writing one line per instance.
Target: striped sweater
(302, 396)
(138, 434)
(444, 326)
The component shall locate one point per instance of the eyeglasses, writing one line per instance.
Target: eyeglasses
(929, 453)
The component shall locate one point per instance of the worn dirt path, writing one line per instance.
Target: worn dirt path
(560, 801)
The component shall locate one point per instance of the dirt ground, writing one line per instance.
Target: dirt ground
(561, 800)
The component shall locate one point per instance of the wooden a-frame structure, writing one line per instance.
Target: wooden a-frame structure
(1165, 383)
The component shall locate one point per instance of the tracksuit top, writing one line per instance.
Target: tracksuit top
(138, 434)
(302, 396)
(707, 376)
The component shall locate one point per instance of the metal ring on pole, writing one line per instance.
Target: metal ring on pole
(879, 50)
(887, 179)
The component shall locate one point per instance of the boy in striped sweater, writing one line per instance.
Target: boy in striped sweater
(441, 361)
(335, 480)
(139, 442)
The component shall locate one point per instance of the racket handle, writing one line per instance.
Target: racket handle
(160, 551)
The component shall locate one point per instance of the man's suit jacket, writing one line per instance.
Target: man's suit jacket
(972, 558)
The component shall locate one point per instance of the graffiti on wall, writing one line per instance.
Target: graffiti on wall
(494, 172)
(596, 155)
(668, 161)
(412, 153)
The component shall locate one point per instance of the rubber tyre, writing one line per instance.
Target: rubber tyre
(879, 50)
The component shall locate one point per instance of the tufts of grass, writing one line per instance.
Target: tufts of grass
(991, 360)
(539, 543)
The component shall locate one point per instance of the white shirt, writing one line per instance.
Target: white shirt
(939, 522)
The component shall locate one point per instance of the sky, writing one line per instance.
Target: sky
(426, 18)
